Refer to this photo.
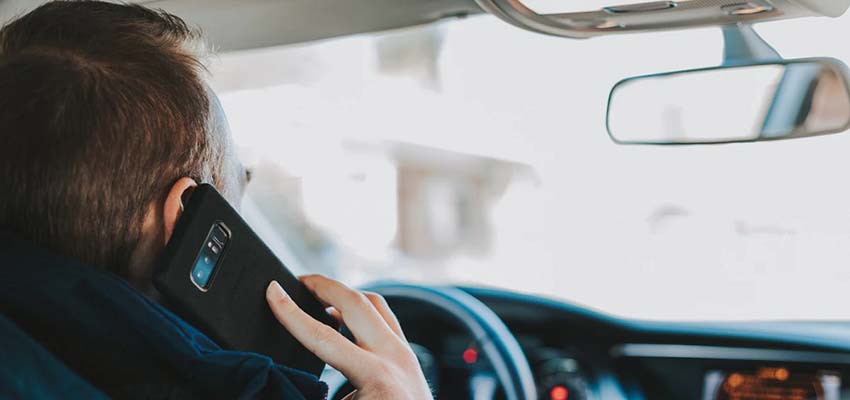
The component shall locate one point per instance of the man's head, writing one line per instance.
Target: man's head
(105, 122)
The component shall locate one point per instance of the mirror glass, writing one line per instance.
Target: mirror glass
(785, 100)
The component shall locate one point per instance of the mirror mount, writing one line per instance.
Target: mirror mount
(742, 46)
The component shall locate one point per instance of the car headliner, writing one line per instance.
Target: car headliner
(246, 24)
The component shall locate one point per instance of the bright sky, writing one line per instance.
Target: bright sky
(751, 231)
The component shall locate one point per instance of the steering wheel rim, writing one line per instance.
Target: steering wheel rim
(492, 335)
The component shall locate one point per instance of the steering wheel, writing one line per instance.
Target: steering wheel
(494, 340)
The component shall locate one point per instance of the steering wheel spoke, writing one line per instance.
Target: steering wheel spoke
(509, 368)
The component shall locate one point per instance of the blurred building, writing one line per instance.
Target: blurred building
(445, 199)
(443, 202)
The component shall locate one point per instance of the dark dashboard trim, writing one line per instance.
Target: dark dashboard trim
(825, 336)
(644, 350)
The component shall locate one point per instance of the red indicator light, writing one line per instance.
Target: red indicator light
(559, 393)
(470, 356)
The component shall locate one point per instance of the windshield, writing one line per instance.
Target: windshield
(471, 152)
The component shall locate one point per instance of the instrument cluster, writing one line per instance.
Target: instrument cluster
(773, 382)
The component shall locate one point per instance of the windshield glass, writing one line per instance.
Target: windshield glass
(471, 152)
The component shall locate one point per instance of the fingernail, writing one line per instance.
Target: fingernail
(275, 292)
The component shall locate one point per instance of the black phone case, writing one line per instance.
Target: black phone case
(233, 310)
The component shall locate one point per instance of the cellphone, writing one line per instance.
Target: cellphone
(214, 272)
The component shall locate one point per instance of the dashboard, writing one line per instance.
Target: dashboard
(577, 353)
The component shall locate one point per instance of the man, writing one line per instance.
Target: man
(106, 125)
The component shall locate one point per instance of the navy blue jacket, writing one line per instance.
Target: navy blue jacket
(79, 331)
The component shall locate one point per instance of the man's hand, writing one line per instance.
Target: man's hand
(380, 364)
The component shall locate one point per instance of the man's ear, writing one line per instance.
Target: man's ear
(174, 202)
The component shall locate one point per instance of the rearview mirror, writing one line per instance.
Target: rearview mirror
(760, 102)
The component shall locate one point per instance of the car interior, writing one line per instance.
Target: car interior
(560, 200)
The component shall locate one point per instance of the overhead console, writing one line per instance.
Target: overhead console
(542, 17)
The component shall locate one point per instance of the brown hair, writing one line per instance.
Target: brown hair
(102, 108)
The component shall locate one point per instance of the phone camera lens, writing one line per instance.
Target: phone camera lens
(206, 260)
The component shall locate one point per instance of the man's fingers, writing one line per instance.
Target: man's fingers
(358, 313)
(386, 313)
(389, 374)
(333, 312)
(320, 339)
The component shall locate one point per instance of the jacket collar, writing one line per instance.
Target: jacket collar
(124, 343)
